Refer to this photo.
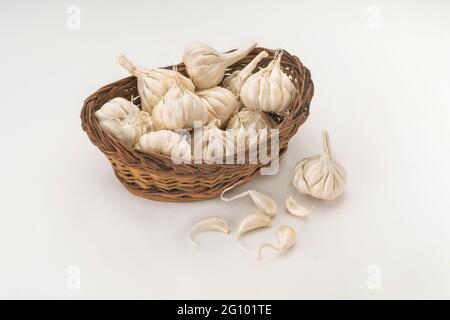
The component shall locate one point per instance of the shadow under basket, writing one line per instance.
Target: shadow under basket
(156, 177)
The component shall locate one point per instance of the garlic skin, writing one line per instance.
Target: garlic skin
(167, 143)
(180, 108)
(220, 102)
(269, 89)
(250, 120)
(286, 237)
(252, 222)
(210, 224)
(235, 81)
(320, 176)
(206, 66)
(153, 83)
(295, 209)
(124, 120)
(266, 204)
(212, 144)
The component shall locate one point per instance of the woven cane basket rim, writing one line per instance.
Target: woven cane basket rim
(155, 176)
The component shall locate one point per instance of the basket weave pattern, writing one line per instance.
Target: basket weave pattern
(155, 176)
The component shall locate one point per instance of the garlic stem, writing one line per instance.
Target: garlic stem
(326, 143)
(239, 54)
(127, 64)
(248, 69)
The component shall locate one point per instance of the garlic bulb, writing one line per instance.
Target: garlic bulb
(269, 89)
(153, 83)
(246, 119)
(180, 108)
(235, 81)
(165, 142)
(220, 102)
(124, 120)
(206, 66)
(320, 176)
(212, 144)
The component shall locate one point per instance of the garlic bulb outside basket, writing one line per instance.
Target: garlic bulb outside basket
(180, 108)
(206, 66)
(269, 89)
(153, 83)
(320, 176)
(220, 102)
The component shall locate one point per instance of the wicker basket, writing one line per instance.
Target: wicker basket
(155, 176)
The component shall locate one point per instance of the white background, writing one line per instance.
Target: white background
(382, 91)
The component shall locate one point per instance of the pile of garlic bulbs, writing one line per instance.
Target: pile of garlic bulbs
(173, 106)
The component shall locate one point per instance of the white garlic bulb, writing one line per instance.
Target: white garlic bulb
(320, 176)
(250, 120)
(235, 81)
(206, 66)
(269, 89)
(153, 83)
(212, 144)
(180, 108)
(220, 102)
(165, 142)
(124, 120)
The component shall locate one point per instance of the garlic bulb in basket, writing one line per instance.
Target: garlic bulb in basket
(269, 89)
(320, 176)
(165, 142)
(220, 102)
(235, 81)
(153, 83)
(247, 119)
(180, 108)
(212, 144)
(124, 120)
(206, 66)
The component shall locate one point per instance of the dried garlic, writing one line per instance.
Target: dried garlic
(320, 176)
(124, 120)
(235, 81)
(180, 108)
(153, 83)
(212, 144)
(210, 224)
(252, 222)
(294, 208)
(264, 203)
(167, 143)
(269, 89)
(220, 102)
(247, 119)
(286, 240)
(206, 66)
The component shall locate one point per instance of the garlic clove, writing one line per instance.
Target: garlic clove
(294, 208)
(220, 102)
(286, 237)
(263, 202)
(206, 66)
(252, 222)
(210, 224)
(320, 176)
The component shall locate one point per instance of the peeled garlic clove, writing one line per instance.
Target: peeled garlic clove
(294, 208)
(263, 202)
(320, 176)
(235, 81)
(270, 89)
(153, 83)
(180, 108)
(165, 142)
(206, 66)
(220, 102)
(210, 224)
(286, 237)
(252, 222)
